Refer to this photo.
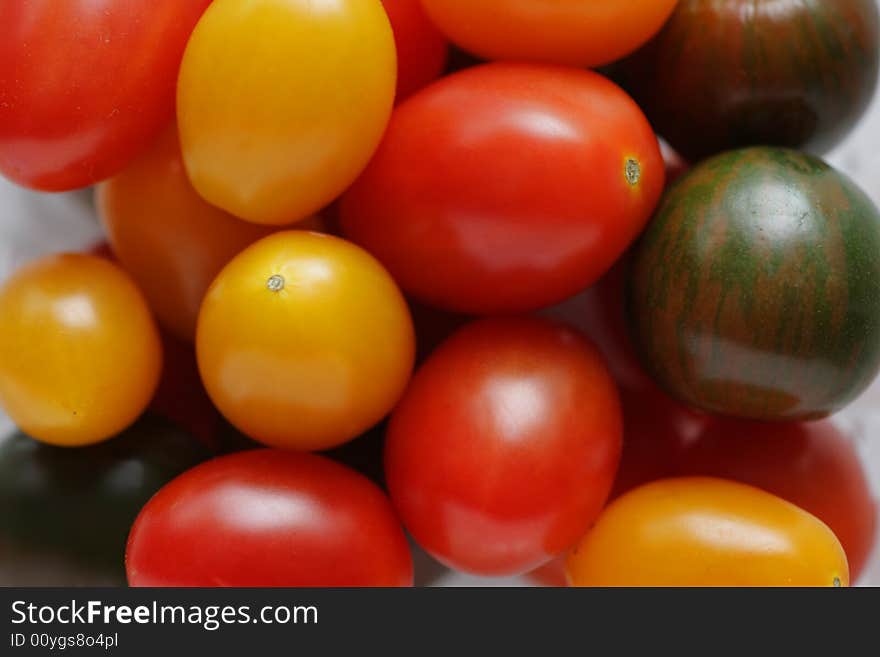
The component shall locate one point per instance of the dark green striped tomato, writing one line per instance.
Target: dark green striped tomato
(755, 291)
(724, 75)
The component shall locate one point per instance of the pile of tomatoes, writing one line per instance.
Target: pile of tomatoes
(439, 242)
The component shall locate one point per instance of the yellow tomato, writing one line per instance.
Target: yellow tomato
(281, 103)
(171, 241)
(304, 341)
(80, 355)
(706, 532)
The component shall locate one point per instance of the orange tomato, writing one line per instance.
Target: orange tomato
(281, 103)
(80, 354)
(706, 532)
(571, 32)
(171, 241)
(304, 341)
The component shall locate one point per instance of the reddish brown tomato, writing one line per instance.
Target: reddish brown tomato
(422, 50)
(504, 448)
(84, 84)
(268, 518)
(507, 187)
(811, 465)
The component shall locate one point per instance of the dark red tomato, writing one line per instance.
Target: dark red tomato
(504, 448)
(268, 518)
(507, 187)
(422, 49)
(813, 466)
(85, 84)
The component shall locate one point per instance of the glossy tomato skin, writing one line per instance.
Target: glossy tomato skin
(466, 222)
(697, 531)
(269, 518)
(422, 50)
(171, 241)
(725, 75)
(567, 32)
(812, 465)
(304, 341)
(80, 354)
(504, 448)
(83, 86)
(67, 513)
(280, 105)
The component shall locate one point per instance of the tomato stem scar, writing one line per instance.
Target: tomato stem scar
(275, 283)
(633, 171)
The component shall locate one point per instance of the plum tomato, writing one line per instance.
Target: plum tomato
(269, 518)
(84, 86)
(304, 341)
(504, 447)
(422, 50)
(699, 531)
(80, 354)
(281, 103)
(171, 241)
(567, 32)
(507, 187)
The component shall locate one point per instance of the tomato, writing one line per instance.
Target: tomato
(422, 50)
(811, 465)
(79, 352)
(171, 241)
(281, 518)
(706, 532)
(304, 341)
(84, 86)
(571, 32)
(281, 103)
(465, 222)
(504, 447)
(74, 508)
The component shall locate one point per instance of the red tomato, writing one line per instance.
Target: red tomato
(421, 49)
(813, 466)
(507, 187)
(84, 84)
(268, 518)
(504, 448)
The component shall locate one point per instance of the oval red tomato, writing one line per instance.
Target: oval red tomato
(268, 518)
(507, 187)
(504, 448)
(84, 85)
(421, 49)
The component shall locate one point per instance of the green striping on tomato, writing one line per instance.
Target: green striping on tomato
(75, 507)
(723, 75)
(755, 291)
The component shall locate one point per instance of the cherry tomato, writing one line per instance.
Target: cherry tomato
(811, 465)
(74, 508)
(466, 222)
(422, 50)
(304, 341)
(171, 241)
(85, 84)
(706, 532)
(504, 448)
(571, 32)
(268, 518)
(281, 103)
(80, 354)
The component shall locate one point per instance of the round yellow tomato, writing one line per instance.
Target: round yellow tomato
(80, 355)
(304, 341)
(281, 103)
(698, 531)
(171, 241)
(570, 32)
